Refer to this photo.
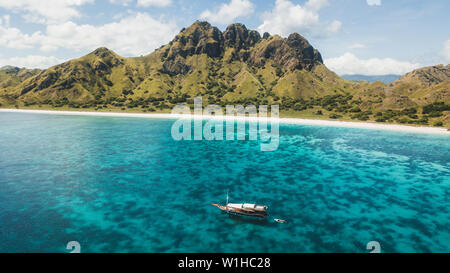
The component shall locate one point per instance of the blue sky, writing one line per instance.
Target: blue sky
(371, 37)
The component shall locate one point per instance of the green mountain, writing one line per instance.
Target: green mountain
(234, 66)
(10, 78)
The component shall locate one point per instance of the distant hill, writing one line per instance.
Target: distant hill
(382, 78)
(6, 67)
(11, 76)
(235, 66)
(424, 85)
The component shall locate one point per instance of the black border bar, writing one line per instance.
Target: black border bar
(251, 262)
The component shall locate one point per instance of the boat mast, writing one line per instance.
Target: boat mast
(227, 201)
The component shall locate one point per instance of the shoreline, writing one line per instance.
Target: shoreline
(294, 121)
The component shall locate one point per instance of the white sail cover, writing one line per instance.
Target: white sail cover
(248, 207)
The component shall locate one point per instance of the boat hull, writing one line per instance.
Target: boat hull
(256, 216)
(238, 212)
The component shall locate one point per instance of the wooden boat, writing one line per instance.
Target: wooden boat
(244, 209)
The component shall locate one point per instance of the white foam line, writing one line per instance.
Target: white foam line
(298, 121)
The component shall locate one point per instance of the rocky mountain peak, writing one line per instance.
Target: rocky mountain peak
(239, 37)
(294, 52)
(103, 58)
(199, 38)
(103, 52)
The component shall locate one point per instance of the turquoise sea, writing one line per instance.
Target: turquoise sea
(123, 185)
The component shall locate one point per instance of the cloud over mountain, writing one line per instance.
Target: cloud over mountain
(31, 61)
(349, 64)
(227, 13)
(446, 50)
(133, 35)
(287, 17)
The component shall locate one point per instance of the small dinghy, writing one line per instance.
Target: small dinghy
(281, 221)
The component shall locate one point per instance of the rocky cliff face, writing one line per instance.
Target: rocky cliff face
(243, 44)
(240, 41)
(199, 38)
(237, 36)
(292, 53)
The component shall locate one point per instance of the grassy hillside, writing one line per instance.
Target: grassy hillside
(234, 66)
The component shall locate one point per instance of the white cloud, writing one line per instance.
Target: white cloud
(121, 2)
(227, 13)
(374, 2)
(156, 3)
(11, 37)
(335, 26)
(446, 51)
(31, 61)
(137, 34)
(357, 46)
(134, 35)
(48, 11)
(4, 20)
(316, 4)
(287, 17)
(349, 64)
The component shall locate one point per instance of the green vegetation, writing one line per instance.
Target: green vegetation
(435, 109)
(233, 67)
(438, 124)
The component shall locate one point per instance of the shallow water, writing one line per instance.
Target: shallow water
(123, 185)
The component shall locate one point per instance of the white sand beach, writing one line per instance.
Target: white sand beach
(298, 121)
